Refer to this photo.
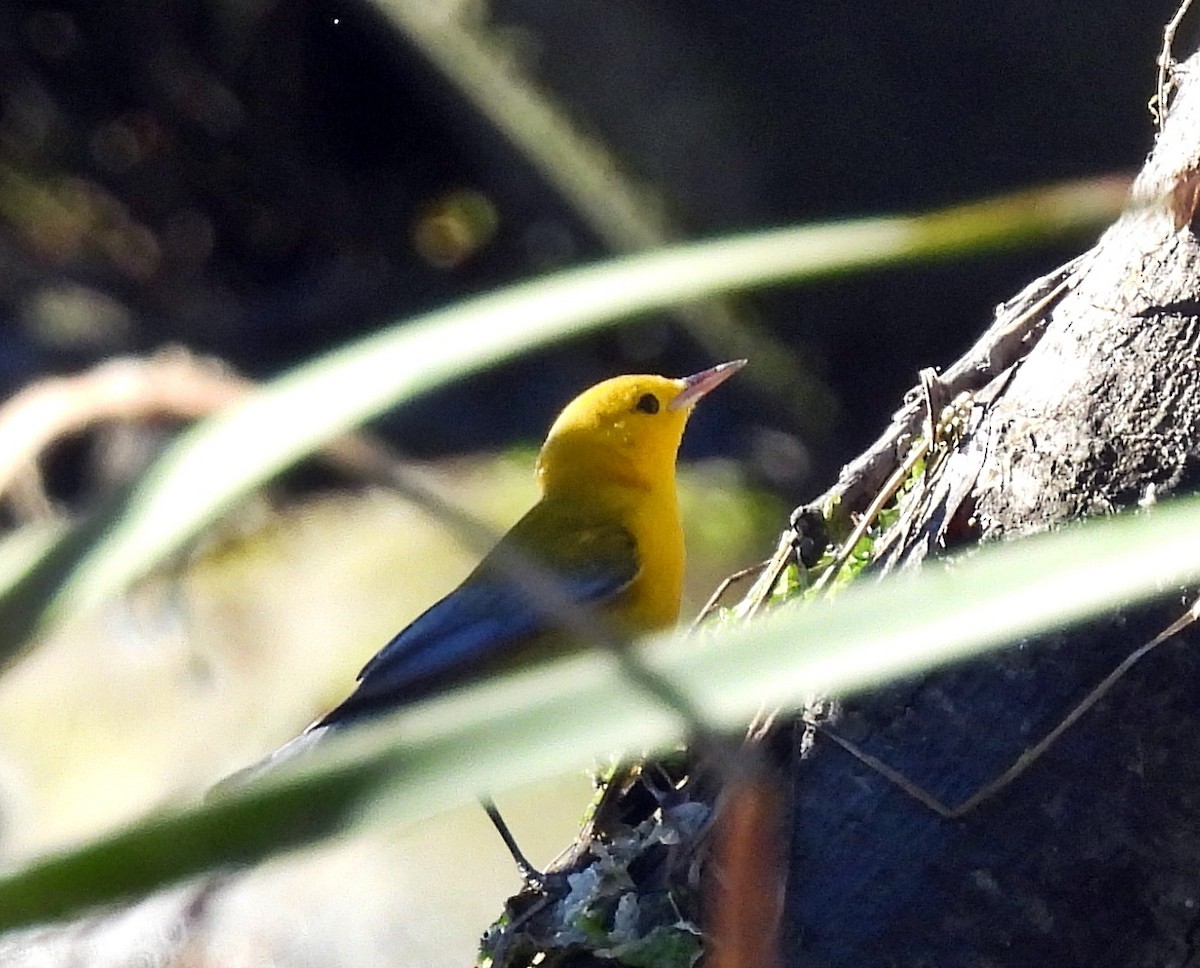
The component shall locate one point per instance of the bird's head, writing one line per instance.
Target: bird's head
(624, 431)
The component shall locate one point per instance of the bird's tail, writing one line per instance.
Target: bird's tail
(285, 754)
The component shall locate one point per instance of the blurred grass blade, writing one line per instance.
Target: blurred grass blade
(225, 833)
(560, 716)
(223, 458)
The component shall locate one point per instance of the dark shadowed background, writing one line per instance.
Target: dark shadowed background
(254, 180)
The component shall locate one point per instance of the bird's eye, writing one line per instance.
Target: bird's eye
(647, 403)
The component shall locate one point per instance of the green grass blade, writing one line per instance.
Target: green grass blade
(557, 717)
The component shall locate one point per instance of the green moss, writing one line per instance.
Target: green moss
(799, 582)
(670, 946)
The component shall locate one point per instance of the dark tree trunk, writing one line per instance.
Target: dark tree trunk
(1092, 856)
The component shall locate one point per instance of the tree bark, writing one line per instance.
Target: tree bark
(1092, 856)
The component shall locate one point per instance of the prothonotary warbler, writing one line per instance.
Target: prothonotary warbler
(607, 529)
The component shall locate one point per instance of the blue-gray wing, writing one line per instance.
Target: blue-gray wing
(487, 618)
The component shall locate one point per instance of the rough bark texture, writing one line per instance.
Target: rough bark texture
(1092, 857)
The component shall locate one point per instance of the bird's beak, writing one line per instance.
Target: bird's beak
(699, 384)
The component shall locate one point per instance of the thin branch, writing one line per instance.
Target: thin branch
(1031, 755)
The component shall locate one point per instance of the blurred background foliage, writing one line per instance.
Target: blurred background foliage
(262, 182)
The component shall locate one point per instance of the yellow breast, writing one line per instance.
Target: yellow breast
(652, 601)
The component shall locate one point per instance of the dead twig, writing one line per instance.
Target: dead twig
(1166, 62)
(172, 384)
(714, 599)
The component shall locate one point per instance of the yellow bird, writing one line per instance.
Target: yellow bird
(607, 529)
